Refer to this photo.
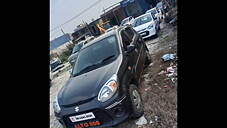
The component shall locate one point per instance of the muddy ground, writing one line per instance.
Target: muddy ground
(159, 93)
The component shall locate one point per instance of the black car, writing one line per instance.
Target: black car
(102, 89)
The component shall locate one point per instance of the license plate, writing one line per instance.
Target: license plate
(142, 34)
(87, 124)
(82, 117)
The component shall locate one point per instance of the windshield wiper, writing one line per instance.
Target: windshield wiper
(107, 58)
(86, 69)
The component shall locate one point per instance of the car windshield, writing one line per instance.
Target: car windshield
(77, 47)
(124, 21)
(142, 20)
(152, 11)
(96, 55)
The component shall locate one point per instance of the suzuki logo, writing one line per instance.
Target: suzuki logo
(76, 109)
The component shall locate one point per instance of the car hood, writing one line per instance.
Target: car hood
(142, 27)
(85, 87)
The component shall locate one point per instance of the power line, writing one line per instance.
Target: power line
(77, 15)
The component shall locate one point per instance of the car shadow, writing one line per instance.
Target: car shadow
(151, 38)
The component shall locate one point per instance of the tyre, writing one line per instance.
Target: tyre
(136, 102)
(148, 58)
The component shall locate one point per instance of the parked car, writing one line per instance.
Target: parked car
(77, 47)
(156, 13)
(102, 90)
(127, 21)
(74, 54)
(56, 64)
(147, 25)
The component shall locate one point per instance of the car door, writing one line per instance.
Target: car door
(139, 59)
(132, 56)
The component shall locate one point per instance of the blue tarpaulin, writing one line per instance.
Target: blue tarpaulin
(59, 41)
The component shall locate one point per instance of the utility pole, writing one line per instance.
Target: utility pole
(65, 34)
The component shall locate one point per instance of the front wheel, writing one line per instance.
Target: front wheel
(136, 102)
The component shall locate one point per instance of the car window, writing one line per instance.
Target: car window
(125, 39)
(129, 33)
(77, 47)
(142, 20)
(95, 54)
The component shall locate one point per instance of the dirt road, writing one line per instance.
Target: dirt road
(159, 93)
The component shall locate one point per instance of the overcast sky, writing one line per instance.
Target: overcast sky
(63, 10)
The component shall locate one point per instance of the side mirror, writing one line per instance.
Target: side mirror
(130, 48)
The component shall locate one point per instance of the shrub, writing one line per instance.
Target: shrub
(64, 56)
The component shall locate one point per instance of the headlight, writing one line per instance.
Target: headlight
(150, 26)
(56, 106)
(108, 89)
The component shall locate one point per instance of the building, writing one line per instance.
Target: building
(58, 45)
(93, 27)
(135, 7)
(117, 12)
(84, 30)
(114, 14)
(59, 41)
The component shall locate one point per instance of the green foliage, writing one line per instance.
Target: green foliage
(64, 56)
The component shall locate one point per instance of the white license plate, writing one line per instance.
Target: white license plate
(142, 34)
(82, 117)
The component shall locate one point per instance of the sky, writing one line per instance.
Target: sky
(63, 10)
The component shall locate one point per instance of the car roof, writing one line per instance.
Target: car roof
(114, 31)
(81, 42)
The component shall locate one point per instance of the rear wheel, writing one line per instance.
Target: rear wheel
(136, 102)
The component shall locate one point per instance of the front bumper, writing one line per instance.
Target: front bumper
(148, 32)
(108, 115)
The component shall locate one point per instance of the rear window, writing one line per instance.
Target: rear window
(142, 20)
